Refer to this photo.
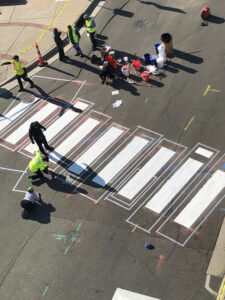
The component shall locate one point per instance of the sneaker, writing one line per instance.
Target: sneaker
(30, 179)
(77, 54)
(20, 90)
(50, 148)
(46, 158)
(82, 55)
(24, 214)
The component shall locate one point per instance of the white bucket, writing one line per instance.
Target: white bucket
(125, 71)
(160, 62)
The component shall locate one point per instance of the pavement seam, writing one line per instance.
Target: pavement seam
(10, 265)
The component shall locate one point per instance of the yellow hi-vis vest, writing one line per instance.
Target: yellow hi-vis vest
(37, 163)
(18, 67)
(90, 29)
(75, 36)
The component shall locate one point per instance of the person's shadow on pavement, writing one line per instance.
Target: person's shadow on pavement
(42, 212)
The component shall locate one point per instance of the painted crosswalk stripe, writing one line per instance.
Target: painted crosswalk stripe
(204, 152)
(147, 172)
(169, 190)
(14, 113)
(58, 125)
(23, 130)
(120, 161)
(202, 200)
(95, 150)
(122, 294)
(77, 136)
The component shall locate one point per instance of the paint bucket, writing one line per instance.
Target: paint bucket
(156, 48)
(153, 59)
(137, 65)
(149, 246)
(160, 62)
(147, 58)
(145, 76)
(125, 71)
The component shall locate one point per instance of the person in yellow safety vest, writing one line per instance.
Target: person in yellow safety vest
(36, 165)
(91, 29)
(73, 37)
(20, 71)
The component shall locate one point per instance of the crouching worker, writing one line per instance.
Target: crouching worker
(28, 203)
(205, 13)
(107, 72)
(36, 165)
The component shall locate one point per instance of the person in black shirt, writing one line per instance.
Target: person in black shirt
(36, 134)
(107, 72)
(59, 44)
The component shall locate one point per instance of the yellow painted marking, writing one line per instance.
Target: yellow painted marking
(222, 291)
(207, 89)
(217, 91)
(134, 228)
(212, 90)
(189, 123)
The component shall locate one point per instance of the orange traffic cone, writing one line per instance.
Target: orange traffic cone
(41, 63)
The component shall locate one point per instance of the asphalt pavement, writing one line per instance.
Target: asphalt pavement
(79, 243)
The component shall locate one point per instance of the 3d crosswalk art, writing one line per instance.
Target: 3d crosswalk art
(163, 185)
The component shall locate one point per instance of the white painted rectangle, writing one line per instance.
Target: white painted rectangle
(204, 152)
(122, 294)
(14, 113)
(202, 200)
(73, 139)
(23, 130)
(58, 125)
(95, 150)
(120, 161)
(146, 173)
(169, 190)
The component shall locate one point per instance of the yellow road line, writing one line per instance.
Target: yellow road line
(134, 228)
(207, 89)
(46, 29)
(217, 91)
(189, 123)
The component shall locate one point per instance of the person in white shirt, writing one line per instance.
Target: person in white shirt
(28, 203)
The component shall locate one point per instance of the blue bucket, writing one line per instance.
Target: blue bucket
(147, 58)
(153, 59)
(156, 48)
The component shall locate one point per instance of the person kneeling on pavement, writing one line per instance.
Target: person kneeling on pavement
(107, 72)
(28, 203)
(36, 165)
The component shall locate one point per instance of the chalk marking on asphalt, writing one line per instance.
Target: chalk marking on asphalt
(14, 189)
(58, 235)
(78, 227)
(212, 90)
(208, 277)
(207, 89)
(223, 209)
(74, 97)
(146, 100)
(69, 195)
(13, 170)
(66, 80)
(45, 291)
(66, 250)
(216, 91)
(189, 123)
(135, 227)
